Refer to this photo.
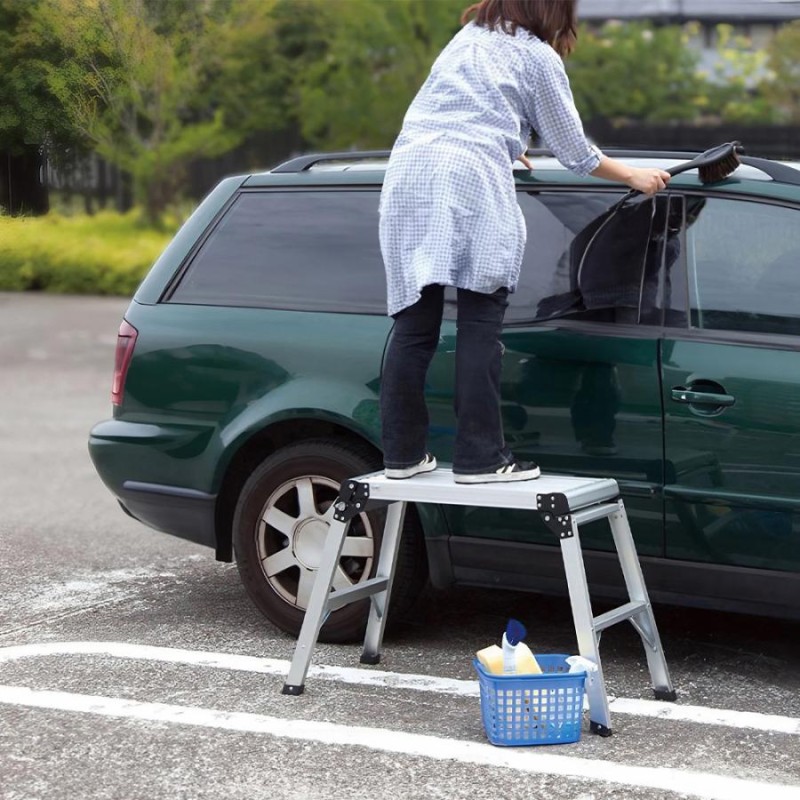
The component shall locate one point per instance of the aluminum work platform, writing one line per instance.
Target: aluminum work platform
(564, 504)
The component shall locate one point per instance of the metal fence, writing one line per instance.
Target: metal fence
(27, 180)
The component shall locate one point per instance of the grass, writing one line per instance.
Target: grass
(107, 253)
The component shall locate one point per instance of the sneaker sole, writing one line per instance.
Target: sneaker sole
(410, 472)
(528, 475)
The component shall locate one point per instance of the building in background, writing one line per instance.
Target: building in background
(761, 14)
(758, 20)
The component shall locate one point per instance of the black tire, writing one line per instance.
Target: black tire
(294, 486)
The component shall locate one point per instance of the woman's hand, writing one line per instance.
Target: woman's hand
(642, 179)
(647, 180)
(525, 160)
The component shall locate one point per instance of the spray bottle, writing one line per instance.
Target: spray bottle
(513, 636)
(515, 657)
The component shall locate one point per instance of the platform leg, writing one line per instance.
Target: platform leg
(588, 645)
(379, 602)
(317, 606)
(644, 621)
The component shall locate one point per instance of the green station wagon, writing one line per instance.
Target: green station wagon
(655, 341)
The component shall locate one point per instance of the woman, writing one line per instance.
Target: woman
(449, 217)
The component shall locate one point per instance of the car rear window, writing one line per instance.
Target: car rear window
(318, 250)
(295, 250)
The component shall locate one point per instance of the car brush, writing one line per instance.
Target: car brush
(713, 165)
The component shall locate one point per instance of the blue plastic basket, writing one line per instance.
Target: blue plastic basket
(533, 709)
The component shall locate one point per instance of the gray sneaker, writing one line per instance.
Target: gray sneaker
(428, 464)
(515, 471)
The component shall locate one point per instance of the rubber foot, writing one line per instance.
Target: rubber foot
(368, 658)
(670, 695)
(293, 690)
(600, 730)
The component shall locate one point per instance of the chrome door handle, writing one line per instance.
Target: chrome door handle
(681, 394)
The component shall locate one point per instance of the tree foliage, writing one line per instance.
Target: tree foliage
(782, 88)
(250, 64)
(152, 85)
(635, 71)
(735, 89)
(30, 113)
(130, 85)
(341, 71)
(356, 87)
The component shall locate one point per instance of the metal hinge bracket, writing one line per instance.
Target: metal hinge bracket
(352, 500)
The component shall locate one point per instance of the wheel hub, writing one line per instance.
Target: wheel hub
(308, 542)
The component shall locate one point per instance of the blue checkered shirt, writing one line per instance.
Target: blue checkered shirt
(449, 212)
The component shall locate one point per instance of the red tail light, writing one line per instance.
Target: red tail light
(126, 340)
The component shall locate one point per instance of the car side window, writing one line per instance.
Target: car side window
(743, 262)
(589, 257)
(295, 250)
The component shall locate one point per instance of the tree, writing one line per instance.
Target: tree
(131, 85)
(733, 88)
(32, 119)
(632, 71)
(355, 88)
(782, 89)
(249, 72)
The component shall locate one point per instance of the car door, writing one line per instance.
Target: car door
(581, 388)
(731, 383)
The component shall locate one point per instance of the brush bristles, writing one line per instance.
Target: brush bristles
(711, 173)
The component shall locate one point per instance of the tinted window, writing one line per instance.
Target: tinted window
(588, 257)
(744, 267)
(315, 251)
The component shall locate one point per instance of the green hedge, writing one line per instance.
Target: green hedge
(106, 253)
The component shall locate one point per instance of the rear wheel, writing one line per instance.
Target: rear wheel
(279, 532)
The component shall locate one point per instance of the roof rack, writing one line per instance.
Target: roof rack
(780, 173)
(302, 163)
(777, 171)
(628, 153)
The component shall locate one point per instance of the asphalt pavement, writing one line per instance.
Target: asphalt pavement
(132, 665)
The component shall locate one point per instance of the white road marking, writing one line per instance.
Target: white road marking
(773, 723)
(527, 760)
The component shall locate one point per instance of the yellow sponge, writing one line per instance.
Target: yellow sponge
(492, 660)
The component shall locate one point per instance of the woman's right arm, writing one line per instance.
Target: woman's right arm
(643, 179)
(556, 120)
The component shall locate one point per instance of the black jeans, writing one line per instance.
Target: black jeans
(480, 446)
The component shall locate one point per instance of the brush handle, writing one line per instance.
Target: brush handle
(706, 159)
(673, 171)
(685, 167)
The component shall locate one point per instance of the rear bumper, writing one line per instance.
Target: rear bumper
(186, 513)
(124, 452)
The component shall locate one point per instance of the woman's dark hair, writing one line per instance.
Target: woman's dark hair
(553, 21)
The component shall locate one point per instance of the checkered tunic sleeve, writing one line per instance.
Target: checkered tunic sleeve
(552, 114)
